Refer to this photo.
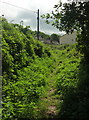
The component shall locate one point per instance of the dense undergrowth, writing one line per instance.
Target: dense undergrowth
(27, 66)
(72, 81)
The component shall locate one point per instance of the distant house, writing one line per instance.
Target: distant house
(68, 38)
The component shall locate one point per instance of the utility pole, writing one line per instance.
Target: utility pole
(21, 22)
(38, 24)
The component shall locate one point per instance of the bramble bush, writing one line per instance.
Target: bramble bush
(26, 65)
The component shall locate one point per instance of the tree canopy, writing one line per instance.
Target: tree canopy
(54, 37)
(72, 16)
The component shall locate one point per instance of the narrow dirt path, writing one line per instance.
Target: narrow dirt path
(52, 96)
(51, 99)
(52, 109)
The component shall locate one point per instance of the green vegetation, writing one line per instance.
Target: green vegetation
(42, 36)
(27, 30)
(26, 65)
(55, 38)
(70, 17)
(73, 81)
(42, 82)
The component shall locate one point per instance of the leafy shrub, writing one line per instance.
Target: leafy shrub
(25, 69)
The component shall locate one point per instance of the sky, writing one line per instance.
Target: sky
(27, 11)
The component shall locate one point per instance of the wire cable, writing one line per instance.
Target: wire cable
(17, 6)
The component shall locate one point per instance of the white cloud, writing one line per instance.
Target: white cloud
(28, 16)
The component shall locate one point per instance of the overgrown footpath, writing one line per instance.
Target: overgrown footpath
(63, 78)
(42, 82)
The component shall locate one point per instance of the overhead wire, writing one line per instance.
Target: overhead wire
(18, 6)
(41, 23)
